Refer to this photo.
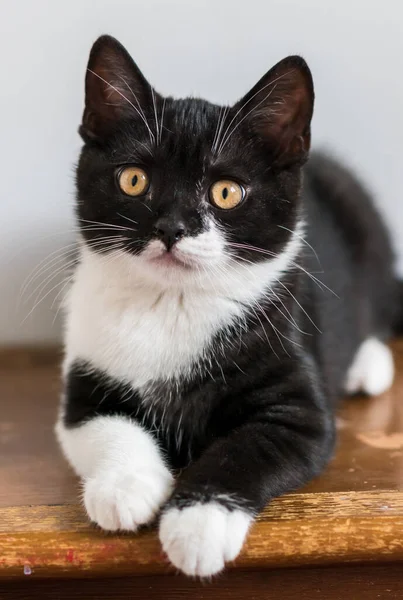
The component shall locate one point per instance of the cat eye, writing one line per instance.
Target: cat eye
(133, 181)
(226, 194)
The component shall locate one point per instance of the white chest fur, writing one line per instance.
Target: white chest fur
(138, 332)
(141, 333)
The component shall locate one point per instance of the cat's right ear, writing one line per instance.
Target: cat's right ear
(115, 89)
(279, 109)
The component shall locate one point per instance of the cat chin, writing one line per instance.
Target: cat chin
(172, 276)
(185, 265)
(168, 261)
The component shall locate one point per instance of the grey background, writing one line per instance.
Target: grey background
(215, 48)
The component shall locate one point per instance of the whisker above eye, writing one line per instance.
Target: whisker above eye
(227, 136)
(217, 128)
(157, 132)
(135, 97)
(228, 133)
(162, 120)
(220, 126)
(152, 137)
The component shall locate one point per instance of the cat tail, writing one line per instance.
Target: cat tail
(398, 327)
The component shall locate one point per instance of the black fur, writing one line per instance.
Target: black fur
(258, 420)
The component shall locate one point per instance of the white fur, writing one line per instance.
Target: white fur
(200, 539)
(372, 370)
(125, 479)
(139, 321)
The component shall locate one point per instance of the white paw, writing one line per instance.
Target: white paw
(200, 539)
(372, 370)
(125, 500)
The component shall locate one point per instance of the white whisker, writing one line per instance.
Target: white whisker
(65, 250)
(292, 263)
(225, 136)
(220, 125)
(127, 100)
(162, 119)
(106, 225)
(298, 303)
(127, 219)
(301, 237)
(155, 114)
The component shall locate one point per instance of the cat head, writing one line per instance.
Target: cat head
(183, 188)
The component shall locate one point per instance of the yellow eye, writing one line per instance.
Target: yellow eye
(226, 194)
(133, 181)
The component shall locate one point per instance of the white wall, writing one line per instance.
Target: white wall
(215, 48)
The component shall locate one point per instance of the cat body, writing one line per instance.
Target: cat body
(226, 296)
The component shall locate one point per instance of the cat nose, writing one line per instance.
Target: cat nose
(169, 231)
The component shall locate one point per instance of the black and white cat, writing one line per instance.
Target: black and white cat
(199, 332)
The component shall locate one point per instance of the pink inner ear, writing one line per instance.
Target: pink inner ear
(290, 105)
(105, 102)
(107, 93)
(114, 87)
(283, 118)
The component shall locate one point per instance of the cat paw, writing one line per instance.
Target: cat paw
(201, 538)
(372, 370)
(124, 501)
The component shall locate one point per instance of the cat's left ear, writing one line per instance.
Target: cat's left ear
(279, 109)
(115, 89)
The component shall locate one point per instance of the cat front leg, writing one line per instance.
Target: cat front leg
(125, 478)
(285, 442)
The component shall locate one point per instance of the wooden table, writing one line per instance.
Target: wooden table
(340, 537)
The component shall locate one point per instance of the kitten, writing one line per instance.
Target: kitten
(221, 305)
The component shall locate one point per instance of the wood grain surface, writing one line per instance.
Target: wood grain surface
(352, 513)
(353, 582)
(313, 529)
